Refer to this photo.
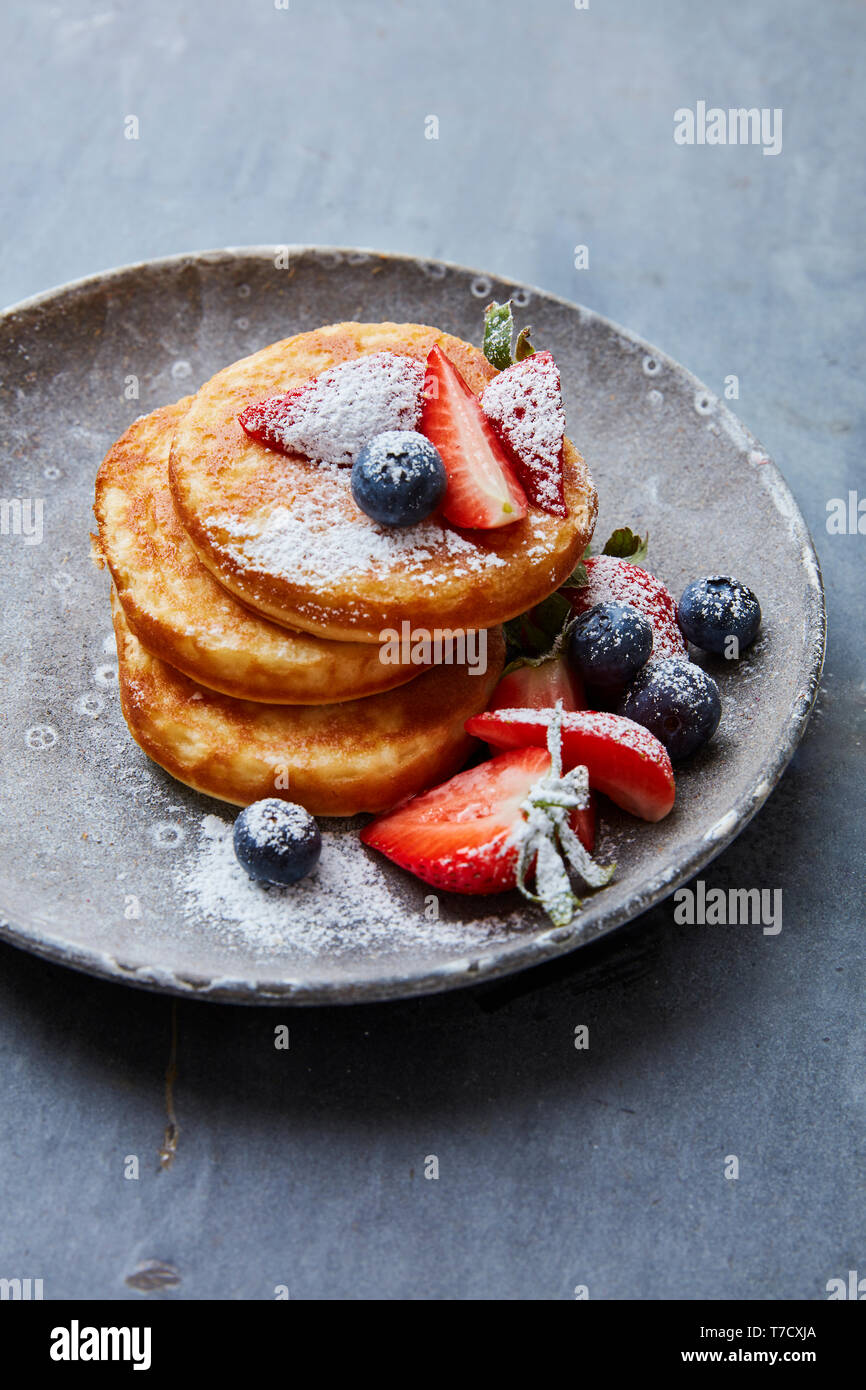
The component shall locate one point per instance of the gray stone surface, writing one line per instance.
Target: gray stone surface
(557, 1167)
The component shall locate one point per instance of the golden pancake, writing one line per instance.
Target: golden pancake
(362, 755)
(285, 535)
(179, 611)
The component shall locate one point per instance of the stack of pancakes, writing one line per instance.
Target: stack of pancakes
(251, 595)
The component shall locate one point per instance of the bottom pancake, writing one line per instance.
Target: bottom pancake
(336, 760)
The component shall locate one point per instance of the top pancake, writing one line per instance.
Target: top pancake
(286, 536)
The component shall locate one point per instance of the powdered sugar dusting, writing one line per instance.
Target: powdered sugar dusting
(270, 821)
(347, 904)
(385, 456)
(325, 536)
(524, 404)
(331, 418)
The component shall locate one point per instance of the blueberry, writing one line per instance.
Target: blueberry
(609, 644)
(676, 701)
(277, 841)
(399, 478)
(713, 610)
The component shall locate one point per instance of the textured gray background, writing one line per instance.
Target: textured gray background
(558, 1167)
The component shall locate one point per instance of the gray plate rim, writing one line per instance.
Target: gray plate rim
(545, 946)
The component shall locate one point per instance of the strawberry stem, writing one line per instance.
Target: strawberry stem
(532, 634)
(627, 545)
(523, 347)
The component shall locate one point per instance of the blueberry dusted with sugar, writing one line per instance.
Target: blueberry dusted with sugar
(609, 644)
(676, 701)
(716, 609)
(277, 841)
(399, 478)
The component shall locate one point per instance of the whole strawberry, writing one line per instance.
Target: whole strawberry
(610, 579)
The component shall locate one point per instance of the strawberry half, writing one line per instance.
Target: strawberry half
(483, 491)
(624, 760)
(462, 835)
(524, 404)
(539, 687)
(331, 417)
(265, 420)
(619, 581)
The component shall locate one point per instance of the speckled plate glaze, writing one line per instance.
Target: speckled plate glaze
(96, 841)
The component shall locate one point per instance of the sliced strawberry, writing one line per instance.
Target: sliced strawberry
(539, 687)
(462, 835)
(332, 416)
(268, 420)
(624, 760)
(524, 404)
(483, 490)
(619, 581)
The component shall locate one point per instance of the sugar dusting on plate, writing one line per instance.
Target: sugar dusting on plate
(347, 904)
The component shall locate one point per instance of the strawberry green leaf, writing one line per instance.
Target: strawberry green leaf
(577, 578)
(626, 545)
(518, 662)
(498, 333)
(523, 347)
(533, 634)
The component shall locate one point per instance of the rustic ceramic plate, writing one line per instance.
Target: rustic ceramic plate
(109, 866)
